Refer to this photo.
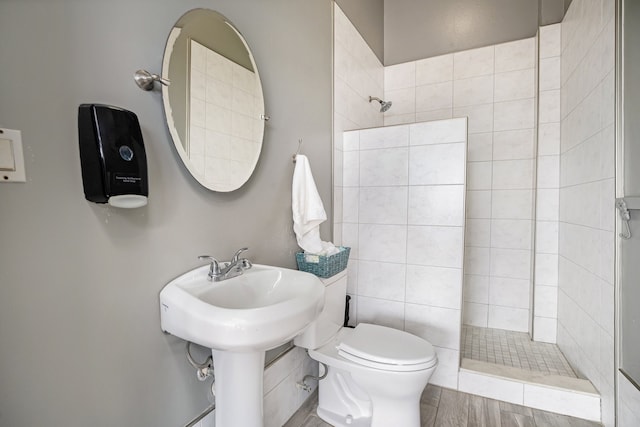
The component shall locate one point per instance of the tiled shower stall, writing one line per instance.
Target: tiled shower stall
(539, 189)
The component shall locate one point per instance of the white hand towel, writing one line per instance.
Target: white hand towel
(308, 211)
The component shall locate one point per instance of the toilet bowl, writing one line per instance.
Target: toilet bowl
(375, 375)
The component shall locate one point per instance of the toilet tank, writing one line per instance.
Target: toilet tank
(330, 321)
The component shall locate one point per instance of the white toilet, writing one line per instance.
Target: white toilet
(376, 374)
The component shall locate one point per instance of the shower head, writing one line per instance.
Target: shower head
(384, 105)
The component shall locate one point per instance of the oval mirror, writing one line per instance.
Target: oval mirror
(214, 105)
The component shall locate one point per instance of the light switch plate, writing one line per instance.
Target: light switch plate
(12, 148)
(7, 159)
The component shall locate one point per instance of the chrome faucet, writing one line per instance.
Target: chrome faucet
(219, 271)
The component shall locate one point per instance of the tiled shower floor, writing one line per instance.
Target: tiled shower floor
(514, 349)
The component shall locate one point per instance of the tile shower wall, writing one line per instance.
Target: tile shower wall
(403, 213)
(587, 194)
(495, 88)
(358, 74)
(628, 404)
(547, 189)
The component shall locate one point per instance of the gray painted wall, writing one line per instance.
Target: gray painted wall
(406, 30)
(368, 18)
(79, 282)
(421, 29)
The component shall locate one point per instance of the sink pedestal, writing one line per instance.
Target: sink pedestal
(239, 388)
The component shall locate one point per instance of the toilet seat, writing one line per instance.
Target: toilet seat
(387, 349)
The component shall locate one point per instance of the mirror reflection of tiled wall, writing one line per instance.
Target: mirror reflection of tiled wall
(223, 134)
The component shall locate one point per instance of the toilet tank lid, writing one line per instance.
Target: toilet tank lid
(387, 345)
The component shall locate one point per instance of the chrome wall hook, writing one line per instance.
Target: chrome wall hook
(625, 216)
(145, 79)
(298, 151)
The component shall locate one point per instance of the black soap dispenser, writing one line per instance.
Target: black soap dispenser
(112, 156)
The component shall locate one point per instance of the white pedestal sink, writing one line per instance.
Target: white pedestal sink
(239, 319)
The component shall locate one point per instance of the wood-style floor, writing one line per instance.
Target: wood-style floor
(441, 407)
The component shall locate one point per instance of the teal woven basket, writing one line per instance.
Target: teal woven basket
(323, 266)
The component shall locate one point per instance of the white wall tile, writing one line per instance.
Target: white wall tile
(404, 101)
(473, 91)
(480, 147)
(479, 175)
(352, 275)
(513, 319)
(478, 232)
(440, 326)
(278, 371)
(563, 402)
(476, 260)
(381, 312)
(511, 233)
(512, 263)
(381, 280)
(513, 144)
(545, 329)
(437, 164)
(629, 404)
(512, 174)
(438, 132)
(587, 149)
(512, 293)
(550, 40)
(474, 62)
(434, 70)
(547, 237)
(476, 289)
(549, 73)
(548, 171)
(476, 314)
(350, 204)
(350, 238)
(546, 301)
(435, 96)
(480, 117)
(436, 205)
(513, 85)
(478, 204)
(399, 119)
(548, 204)
(446, 373)
(385, 137)
(383, 205)
(549, 139)
(283, 399)
(516, 55)
(427, 116)
(400, 76)
(351, 140)
(383, 167)
(351, 168)
(435, 286)
(382, 243)
(549, 106)
(511, 204)
(491, 387)
(435, 246)
(512, 115)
